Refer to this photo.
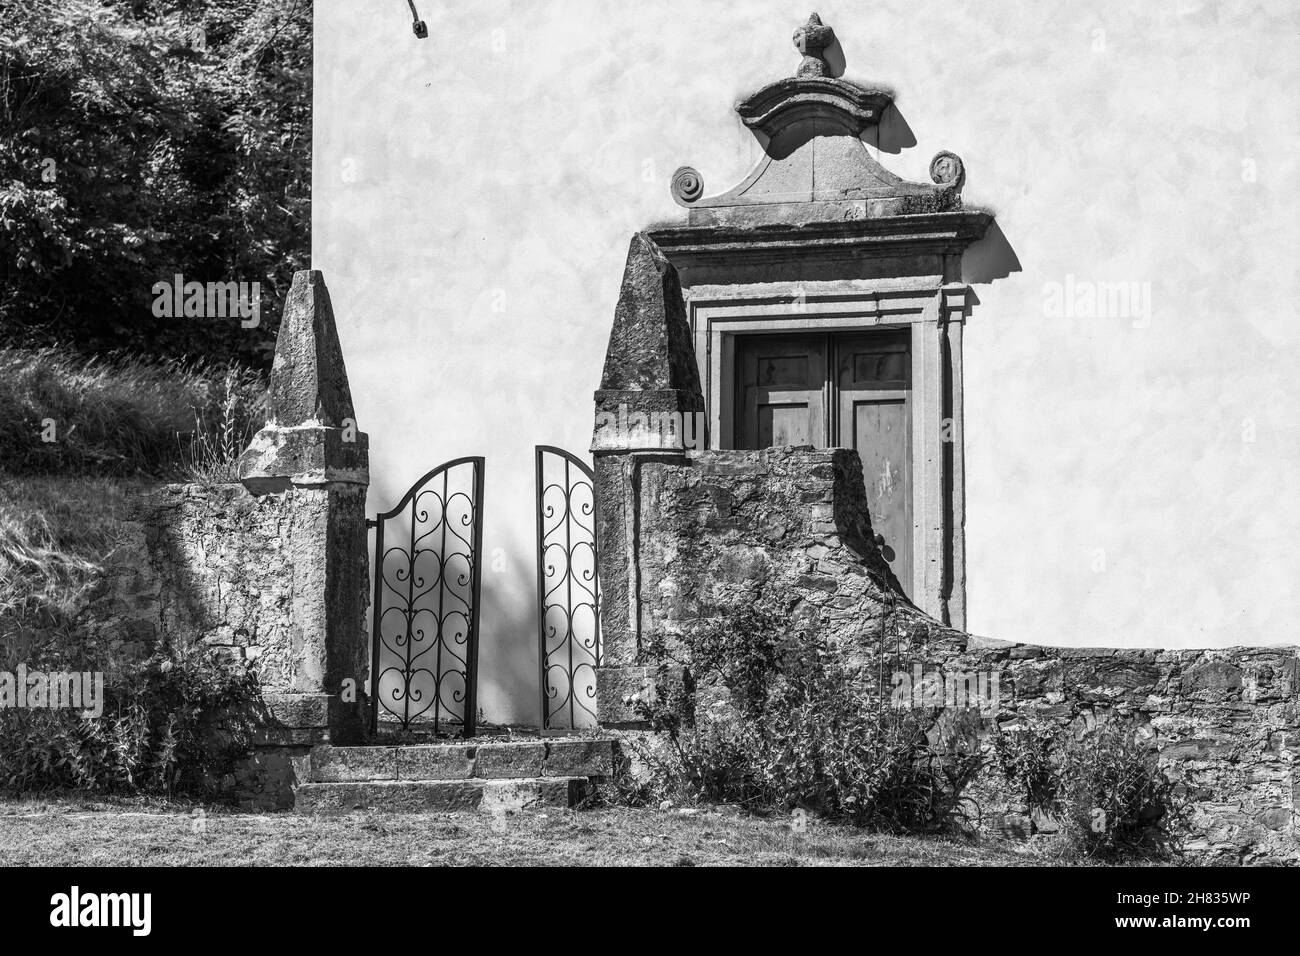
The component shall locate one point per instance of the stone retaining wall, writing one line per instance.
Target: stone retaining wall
(1224, 725)
(278, 582)
(272, 570)
(718, 531)
(232, 570)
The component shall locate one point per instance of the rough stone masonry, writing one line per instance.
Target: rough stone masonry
(690, 535)
(272, 569)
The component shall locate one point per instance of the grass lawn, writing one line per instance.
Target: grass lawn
(76, 832)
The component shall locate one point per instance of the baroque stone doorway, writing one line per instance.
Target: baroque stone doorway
(821, 239)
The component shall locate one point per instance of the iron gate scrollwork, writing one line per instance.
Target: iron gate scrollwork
(425, 633)
(568, 590)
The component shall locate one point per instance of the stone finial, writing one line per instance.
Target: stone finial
(811, 40)
(308, 380)
(311, 439)
(650, 343)
(649, 396)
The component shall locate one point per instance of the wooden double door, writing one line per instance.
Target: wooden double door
(838, 389)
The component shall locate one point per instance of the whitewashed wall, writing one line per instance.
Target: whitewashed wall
(1131, 481)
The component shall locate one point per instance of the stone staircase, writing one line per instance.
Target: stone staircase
(491, 776)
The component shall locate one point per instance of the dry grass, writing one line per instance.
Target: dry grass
(81, 833)
(116, 423)
(54, 536)
(121, 415)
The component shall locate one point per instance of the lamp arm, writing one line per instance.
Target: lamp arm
(419, 26)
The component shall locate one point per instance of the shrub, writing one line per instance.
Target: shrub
(1029, 759)
(173, 724)
(1104, 787)
(798, 730)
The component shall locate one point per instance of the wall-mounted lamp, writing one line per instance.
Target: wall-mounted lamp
(419, 26)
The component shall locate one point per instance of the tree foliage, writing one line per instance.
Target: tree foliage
(139, 140)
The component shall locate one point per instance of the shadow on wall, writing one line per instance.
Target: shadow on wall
(892, 134)
(985, 261)
(508, 651)
(989, 259)
(835, 59)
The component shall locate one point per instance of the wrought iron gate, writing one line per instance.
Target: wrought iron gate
(568, 588)
(424, 663)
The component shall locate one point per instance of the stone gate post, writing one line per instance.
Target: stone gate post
(308, 468)
(649, 407)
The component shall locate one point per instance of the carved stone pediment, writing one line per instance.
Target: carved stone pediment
(780, 105)
(816, 167)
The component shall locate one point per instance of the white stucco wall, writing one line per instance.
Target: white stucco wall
(1129, 481)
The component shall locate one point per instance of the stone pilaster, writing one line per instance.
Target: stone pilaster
(649, 408)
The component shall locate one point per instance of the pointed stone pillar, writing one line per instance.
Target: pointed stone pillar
(311, 439)
(308, 468)
(649, 407)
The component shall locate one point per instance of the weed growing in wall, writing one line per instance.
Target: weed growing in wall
(222, 430)
(1102, 786)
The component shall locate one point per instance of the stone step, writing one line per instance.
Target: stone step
(508, 760)
(394, 796)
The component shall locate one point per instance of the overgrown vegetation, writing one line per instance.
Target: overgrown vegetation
(140, 139)
(771, 720)
(1103, 787)
(66, 424)
(119, 416)
(795, 729)
(173, 724)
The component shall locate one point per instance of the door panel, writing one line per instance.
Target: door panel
(782, 385)
(875, 361)
(879, 366)
(882, 432)
(875, 418)
(783, 424)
